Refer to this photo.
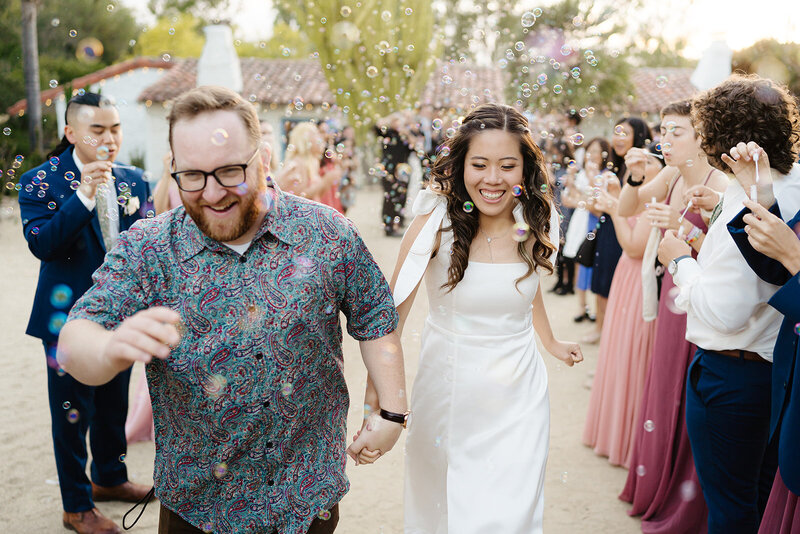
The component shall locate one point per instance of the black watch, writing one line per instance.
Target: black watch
(399, 418)
(632, 183)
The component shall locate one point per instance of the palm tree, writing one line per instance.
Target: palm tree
(30, 61)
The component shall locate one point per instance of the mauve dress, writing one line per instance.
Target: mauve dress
(668, 495)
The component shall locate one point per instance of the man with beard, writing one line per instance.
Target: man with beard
(233, 302)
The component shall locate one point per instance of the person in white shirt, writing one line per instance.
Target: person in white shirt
(748, 125)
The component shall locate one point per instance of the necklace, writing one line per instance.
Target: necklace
(489, 243)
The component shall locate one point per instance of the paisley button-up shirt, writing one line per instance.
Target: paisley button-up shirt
(250, 408)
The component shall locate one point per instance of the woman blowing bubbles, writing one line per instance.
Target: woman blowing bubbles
(484, 231)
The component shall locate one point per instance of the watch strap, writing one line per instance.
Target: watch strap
(399, 418)
(633, 183)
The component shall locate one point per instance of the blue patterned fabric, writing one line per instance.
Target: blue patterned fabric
(250, 408)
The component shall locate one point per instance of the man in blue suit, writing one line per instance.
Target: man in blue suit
(73, 208)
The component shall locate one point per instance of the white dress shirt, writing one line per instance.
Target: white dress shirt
(90, 203)
(725, 301)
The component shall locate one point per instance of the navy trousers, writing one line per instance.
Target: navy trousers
(75, 409)
(727, 418)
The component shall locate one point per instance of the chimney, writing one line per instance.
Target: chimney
(219, 63)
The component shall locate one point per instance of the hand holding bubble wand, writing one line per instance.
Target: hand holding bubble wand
(754, 187)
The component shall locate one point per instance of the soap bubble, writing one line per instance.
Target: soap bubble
(66, 405)
(6, 131)
(219, 137)
(345, 11)
(673, 294)
(73, 33)
(287, 388)
(590, 236)
(649, 426)
(220, 470)
(537, 12)
(516, 190)
(53, 84)
(576, 139)
(73, 416)
(521, 232)
(557, 89)
(103, 153)
(372, 71)
(89, 50)
(661, 82)
(469, 206)
(541, 79)
(324, 515)
(122, 457)
(386, 16)
(688, 490)
(641, 470)
(528, 19)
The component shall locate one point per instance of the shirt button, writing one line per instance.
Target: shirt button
(270, 482)
(269, 444)
(259, 356)
(266, 404)
(242, 259)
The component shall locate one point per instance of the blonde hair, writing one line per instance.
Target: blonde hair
(214, 98)
(301, 148)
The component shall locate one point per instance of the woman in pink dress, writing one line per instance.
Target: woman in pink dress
(626, 341)
(665, 490)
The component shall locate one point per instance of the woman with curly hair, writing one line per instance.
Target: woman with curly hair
(729, 381)
(485, 229)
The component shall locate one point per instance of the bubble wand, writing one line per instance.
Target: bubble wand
(754, 188)
(688, 205)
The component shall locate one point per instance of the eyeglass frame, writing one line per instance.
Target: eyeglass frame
(243, 166)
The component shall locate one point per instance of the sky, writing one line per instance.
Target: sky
(738, 22)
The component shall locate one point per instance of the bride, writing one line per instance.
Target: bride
(484, 230)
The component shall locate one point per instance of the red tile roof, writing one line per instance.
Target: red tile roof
(94, 77)
(655, 87)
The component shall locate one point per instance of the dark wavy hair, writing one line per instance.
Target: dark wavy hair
(605, 148)
(448, 179)
(748, 108)
(641, 136)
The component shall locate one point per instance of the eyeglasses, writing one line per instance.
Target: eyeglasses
(226, 176)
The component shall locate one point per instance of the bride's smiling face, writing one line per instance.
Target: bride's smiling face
(492, 167)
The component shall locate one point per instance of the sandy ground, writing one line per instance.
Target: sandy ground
(580, 491)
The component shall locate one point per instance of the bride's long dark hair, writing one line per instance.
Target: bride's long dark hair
(448, 179)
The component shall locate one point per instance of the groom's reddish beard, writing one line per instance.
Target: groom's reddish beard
(248, 214)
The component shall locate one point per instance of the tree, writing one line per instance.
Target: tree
(30, 51)
(178, 35)
(377, 55)
(770, 59)
(207, 10)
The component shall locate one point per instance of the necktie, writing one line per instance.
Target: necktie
(105, 213)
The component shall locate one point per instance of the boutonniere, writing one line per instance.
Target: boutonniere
(132, 206)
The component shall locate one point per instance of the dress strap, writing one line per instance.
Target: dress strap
(708, 177)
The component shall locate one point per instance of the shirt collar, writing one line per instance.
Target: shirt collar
(78, 163)
(191, 240)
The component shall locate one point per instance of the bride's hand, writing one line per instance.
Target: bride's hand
(566, 351)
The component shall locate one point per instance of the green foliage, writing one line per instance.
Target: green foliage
(770, 59)
(178, 35)
(207, 10)
(376, 54)
(287, 41)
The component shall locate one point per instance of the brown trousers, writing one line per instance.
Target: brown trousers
(171, 523)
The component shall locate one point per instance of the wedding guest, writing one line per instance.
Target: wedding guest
(74, 208)
(484, 232)
(729, 380)
(771, 248)
(629, 132)
(668, 496)
(561, 161)
(233, 303)
(397, 140)
(301, 174)
(626, 342)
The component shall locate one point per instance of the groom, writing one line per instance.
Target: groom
(73, 208)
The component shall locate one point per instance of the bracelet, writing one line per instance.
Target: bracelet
(630, 181)
(694, 235)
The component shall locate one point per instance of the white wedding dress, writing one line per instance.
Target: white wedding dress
(477, 446)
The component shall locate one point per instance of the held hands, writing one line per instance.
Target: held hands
(663, 215)
(566, 351)
(376, 437)
(636, 162)
(671, 247)
(702, 197)
(142, 336)
(772, 237)
(94, 174)
(742, 162)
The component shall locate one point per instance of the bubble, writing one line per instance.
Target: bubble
(641, 470)
(103, 153)
(537, 12)
(74, 185)
(220, 470)
(516, 190)
(519, 46)
(689, 163)
(541, 79)
(6, 131)
(386, 16)
(122, 200)
(287, 388)
(528, 19)
(324, 515)
(688, 490)
(619, 130)
(150, 214)
(408, 11)
(564, 477)
(110, 8)
(468, 206)
(66, 405)
(437, 442)
(53, 84)
(436, 124)
(602, 218)
(649, 426)
(576, 73)
(166, 58)
(345, 11)
(661, 81)
(55, 22)
(219, 136)
(122, 457)
(576, 139)
(581, 205)
(521, 232)
(56, 322)
(557, 89)
(566, 50)
(69, 176)
(543, 188)
(445, 150)
(41, 175)
(73, 33)
(51, 205)
(89, 50)
(372, 71)
(73, 416)
(672, 295)
(590, 236)
(797, 329)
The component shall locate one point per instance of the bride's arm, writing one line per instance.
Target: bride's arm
(566, 351)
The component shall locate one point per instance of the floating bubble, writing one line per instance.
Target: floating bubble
(543, 188)
(324, 515)
(122, 200)
(564, 477)
(688, 490)
(219, 136)
(69, 176)
(166, 58)
(797, 329)
(528, 19)
(649, 426)
(122, 457)
(54, 160)
(110, 8)
(641, 470)
(66, 405)
(576, 139)
(372, 71)
(566, 50)
(619, 130)
(661, 81)
(73, 33)
(51, 205)
(590, 236)
(581, 205)
(89, 50)
(386, 16)
(150, 214)
(672, 295)
(345, 11)
(575, 72)
(55, 22)
(287, 388)
(689, 163)
(53, 84)
(557, 89)
(220, 470)
(537, 12)
(516, 190)
(103, 153)
(6, 131)
(541, 79)
(521, 232)
(445, 150)
(468, 206)
(519, 46)
(74, 185)
(408, 11)
(56, 322)
(40, 175)
(73, 416)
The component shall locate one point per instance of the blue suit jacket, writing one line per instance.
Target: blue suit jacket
(66, 237)
(785, 371)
